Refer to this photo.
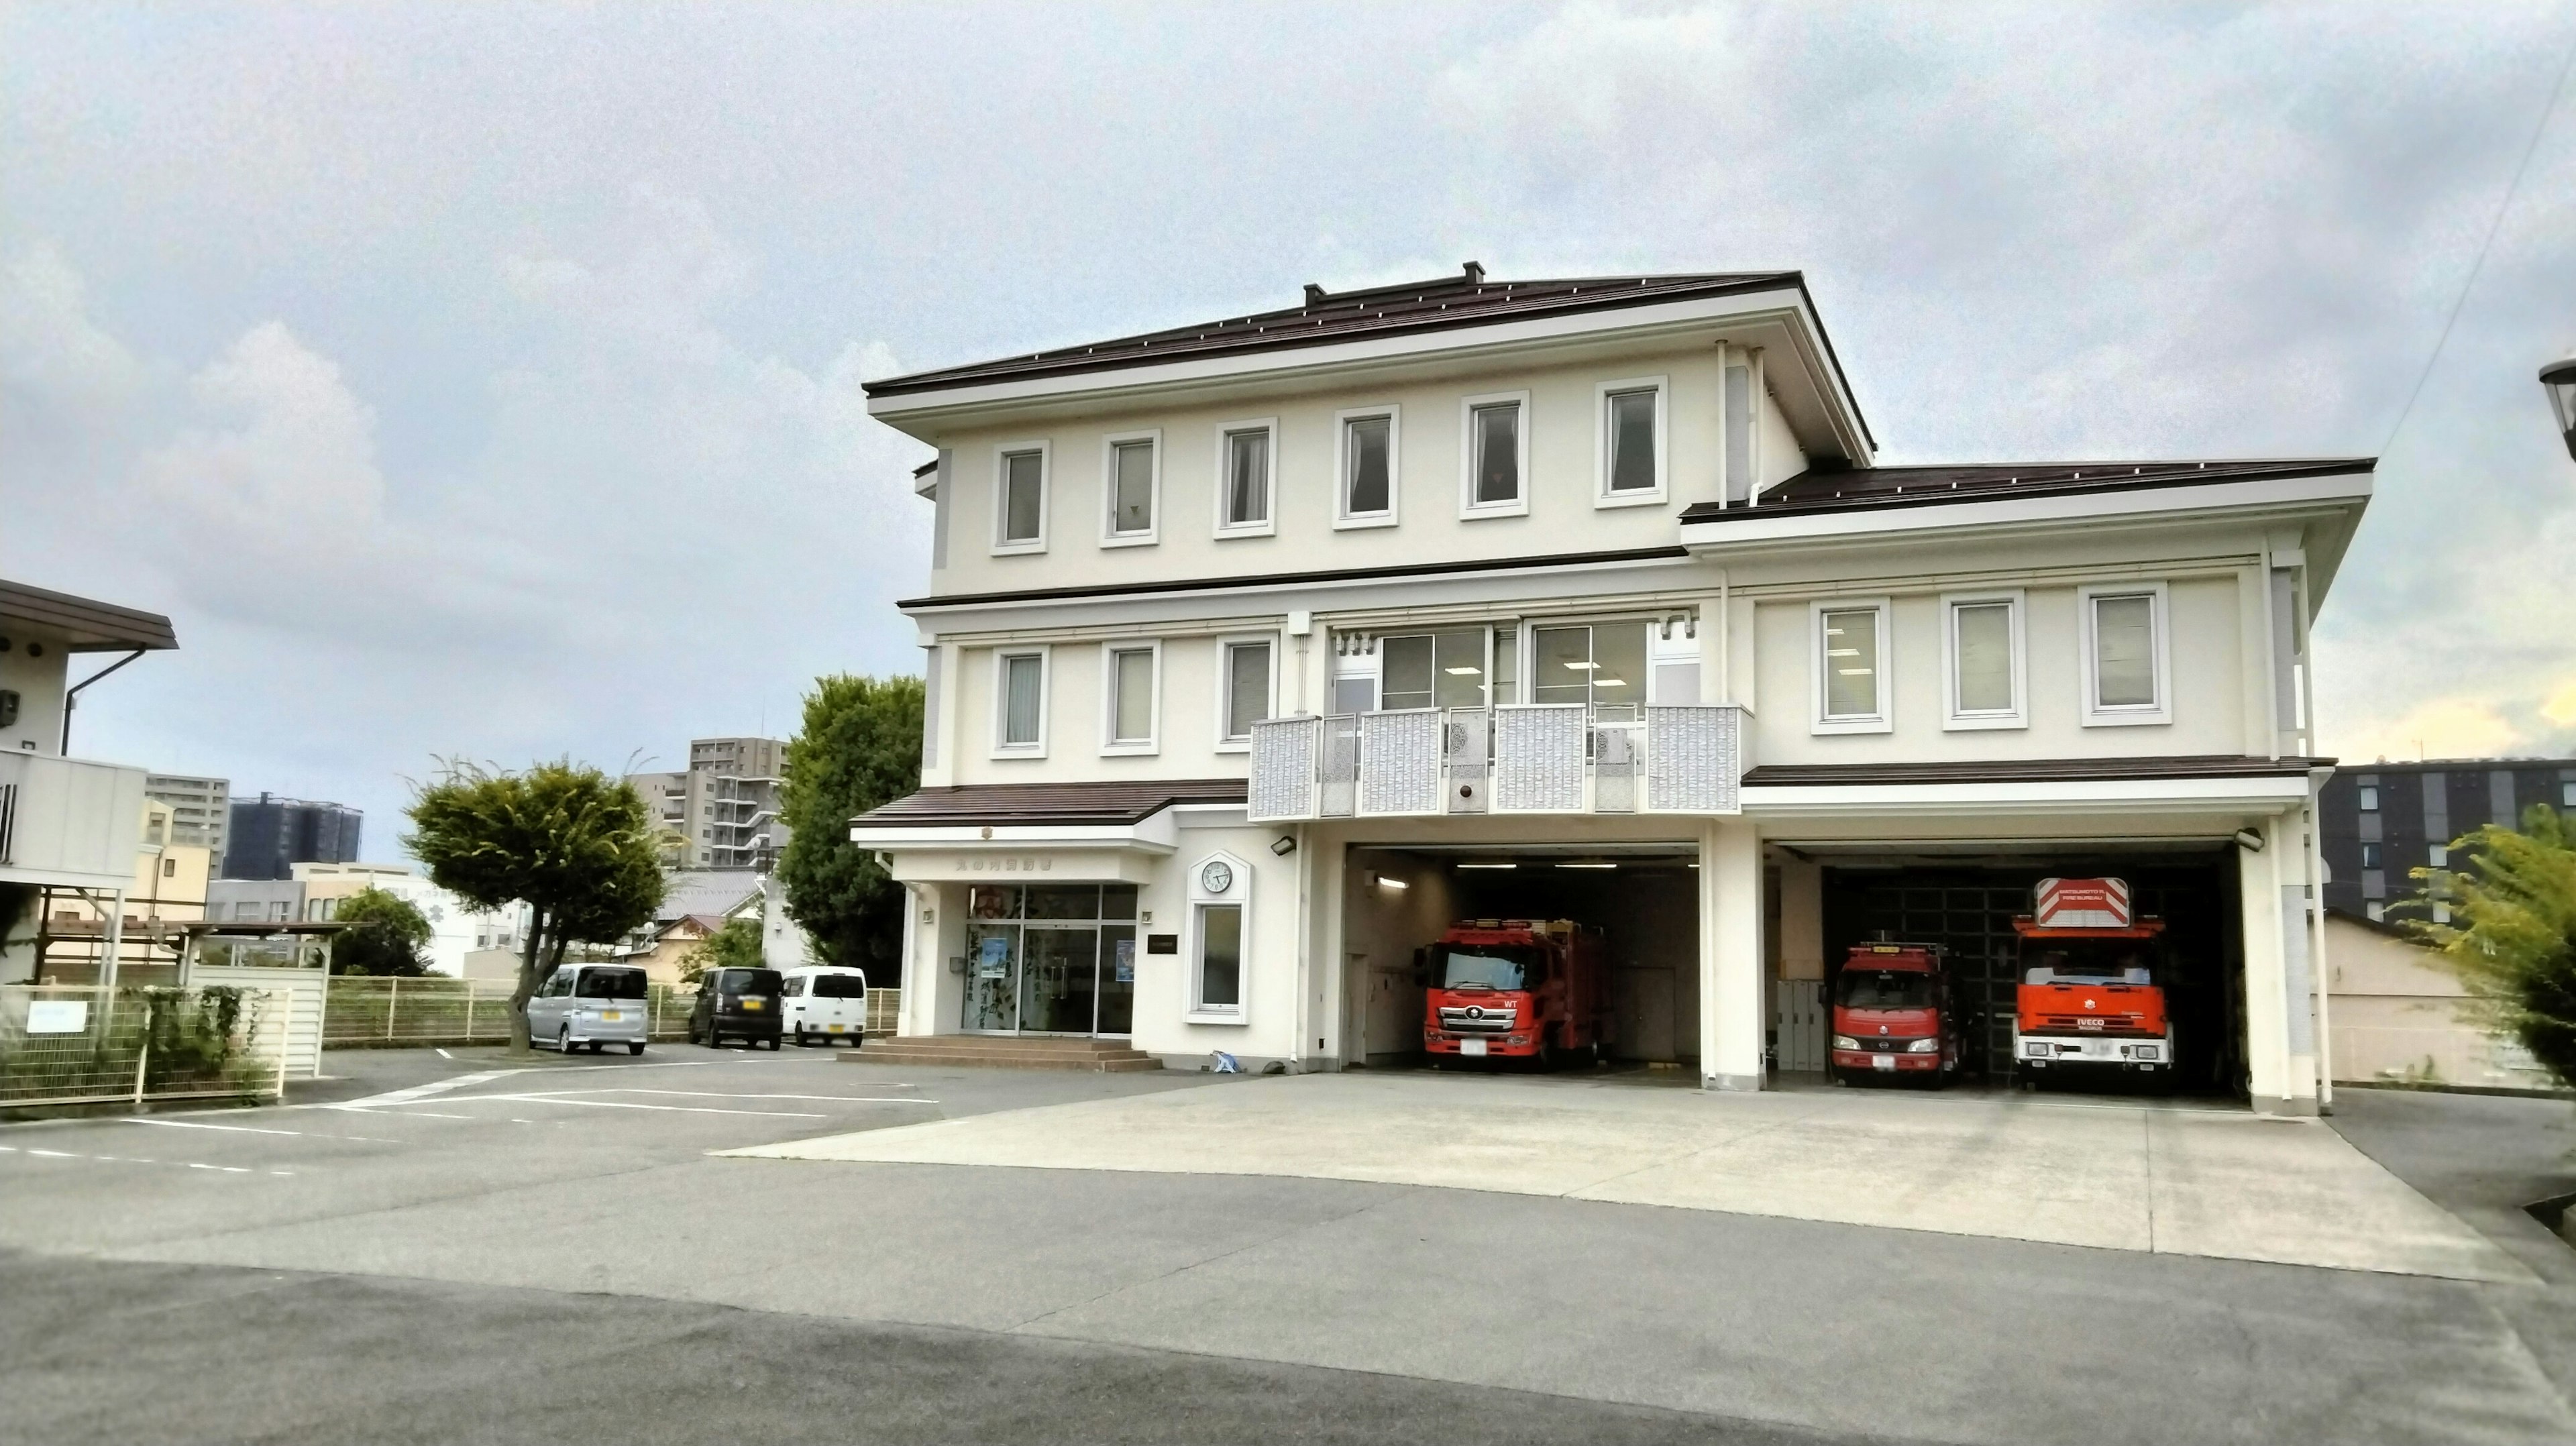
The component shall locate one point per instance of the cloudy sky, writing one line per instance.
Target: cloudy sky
(481, 381)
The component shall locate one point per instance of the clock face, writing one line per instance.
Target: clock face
(1216, 878)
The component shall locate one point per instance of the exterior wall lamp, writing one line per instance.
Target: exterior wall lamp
(2559, 380)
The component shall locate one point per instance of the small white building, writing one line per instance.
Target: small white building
(456, 927)
(1258, 651)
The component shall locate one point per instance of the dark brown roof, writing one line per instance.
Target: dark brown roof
(92, 626)
(2029, 770)
(1466, 299)
(1117, 801)
(1859, 488)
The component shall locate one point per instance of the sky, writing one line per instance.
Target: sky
(482, 382)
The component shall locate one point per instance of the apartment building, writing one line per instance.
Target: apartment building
(723, 811)
(200, 808)
(269, 837)
(1259, 651)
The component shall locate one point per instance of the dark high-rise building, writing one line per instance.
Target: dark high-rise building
(270, 837)
(2378, 822)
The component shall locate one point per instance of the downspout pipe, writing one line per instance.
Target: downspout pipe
(71, 695)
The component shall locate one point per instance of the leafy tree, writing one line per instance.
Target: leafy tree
(385, 935)
(571, 842)
(860, 748)
(2512, 939)
(735, 946)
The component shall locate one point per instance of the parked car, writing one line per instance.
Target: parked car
(592, 1005)
(825, 1003)
(739, 1004)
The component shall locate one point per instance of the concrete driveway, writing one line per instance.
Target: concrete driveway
(2172, 1180)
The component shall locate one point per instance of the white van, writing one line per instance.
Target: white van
(825, 1003)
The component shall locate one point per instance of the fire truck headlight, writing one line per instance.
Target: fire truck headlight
(2036, 1048)
(2150, 1051)
(1924, 1046)
(1845, 1041)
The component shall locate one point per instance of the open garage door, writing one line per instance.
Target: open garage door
(1966, 902)
(1398, 901)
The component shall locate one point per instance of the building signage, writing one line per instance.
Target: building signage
(57, 1016)
(993, 957)
(998, 864)
(2083, 904)
(1162, 943)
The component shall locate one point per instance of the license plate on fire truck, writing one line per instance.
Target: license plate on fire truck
(1471, 1046)
(1882, 1061)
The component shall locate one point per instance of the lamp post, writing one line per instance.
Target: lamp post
(2559, 380)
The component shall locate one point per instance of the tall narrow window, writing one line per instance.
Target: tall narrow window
(1247, 689)
(1368, 467)
(1131, 697)
(2125, 656)
(2370, 798)
(1984, 654)
(1631, 460)
(1246, 500)
(1023, 700)
(1851, 678)
(1220, 957)
(1497, 440)
(1023, 499)
(1131, 488)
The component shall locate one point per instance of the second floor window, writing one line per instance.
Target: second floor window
(1984, 653)
(1433, 670)
(1601, 664)
(1851, 676)
(1631, 434)
(2124, 655)
(1495, 455)
(1247, 689)
(1243, 500)
(1020, 510)
(1131, 699)
(1023, 701)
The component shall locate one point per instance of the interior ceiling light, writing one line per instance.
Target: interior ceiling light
(1583, 667)
(1589, 865)
(1489, 866)
(1462, 672)
(1398, 885)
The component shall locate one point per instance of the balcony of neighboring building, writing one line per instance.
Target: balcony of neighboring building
(1543, 758)
(69, 822)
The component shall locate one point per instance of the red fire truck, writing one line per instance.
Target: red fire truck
(2092, 997)
(1515, 989)
(1893, 1016)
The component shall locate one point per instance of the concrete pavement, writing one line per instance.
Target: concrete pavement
(439, 1245)
(2182, 1181)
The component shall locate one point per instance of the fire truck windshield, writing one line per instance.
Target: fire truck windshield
(1884, 989)
(1492, 966)
(2114, 961)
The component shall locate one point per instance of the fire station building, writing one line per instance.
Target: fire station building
(1262, 652)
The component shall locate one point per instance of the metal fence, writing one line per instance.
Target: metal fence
(64, 1045)
(365, 1010)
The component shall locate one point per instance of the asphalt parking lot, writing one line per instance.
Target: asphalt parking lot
(438, 1248)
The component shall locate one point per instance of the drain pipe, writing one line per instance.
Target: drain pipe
(71, 695)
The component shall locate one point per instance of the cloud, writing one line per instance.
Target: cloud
(2440, 728)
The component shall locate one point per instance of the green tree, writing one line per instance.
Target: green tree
(571, 842)
(2512, 935)
(385, 935)
(860, 748)
(735, 946)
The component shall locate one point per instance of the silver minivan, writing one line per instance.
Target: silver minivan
(591, 1004)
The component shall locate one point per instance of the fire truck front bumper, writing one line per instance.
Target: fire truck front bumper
(1474, 1046)
(2092, 1052)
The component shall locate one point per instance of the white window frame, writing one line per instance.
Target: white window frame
(1343, 518)
(1110, 744)
(1269, 524)
(1002, 699)
(1004, 547)
(1225, 686)
(1468, 507)
(1956, 719)
(1238, 895)
(1602, 439)
(2130, 715)
(1883, 721)
(1110, 536)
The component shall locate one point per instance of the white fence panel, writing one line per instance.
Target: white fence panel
(1694, 758)
(1400, 762)
(1284, 769)
(1538, 758)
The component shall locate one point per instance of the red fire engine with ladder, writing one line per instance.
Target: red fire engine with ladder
(2092, 996)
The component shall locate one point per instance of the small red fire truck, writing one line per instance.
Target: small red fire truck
(1893, 1017)
(1515, 989)
(2091, 998)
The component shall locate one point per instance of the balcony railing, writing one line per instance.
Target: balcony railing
(1516, 759)
(69, 821)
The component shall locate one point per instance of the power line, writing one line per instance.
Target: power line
(2556, 89)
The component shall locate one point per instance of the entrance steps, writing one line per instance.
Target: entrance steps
(1104, 1056)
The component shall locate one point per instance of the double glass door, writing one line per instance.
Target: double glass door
(1051, 959)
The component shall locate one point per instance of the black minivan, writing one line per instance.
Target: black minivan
(736, 1003)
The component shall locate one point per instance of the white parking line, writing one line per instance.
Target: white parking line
(560, 1099)
(731, 1095)
(252, 1130)
(143, 1160)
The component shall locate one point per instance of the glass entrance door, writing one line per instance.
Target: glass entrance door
(1051, 959)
